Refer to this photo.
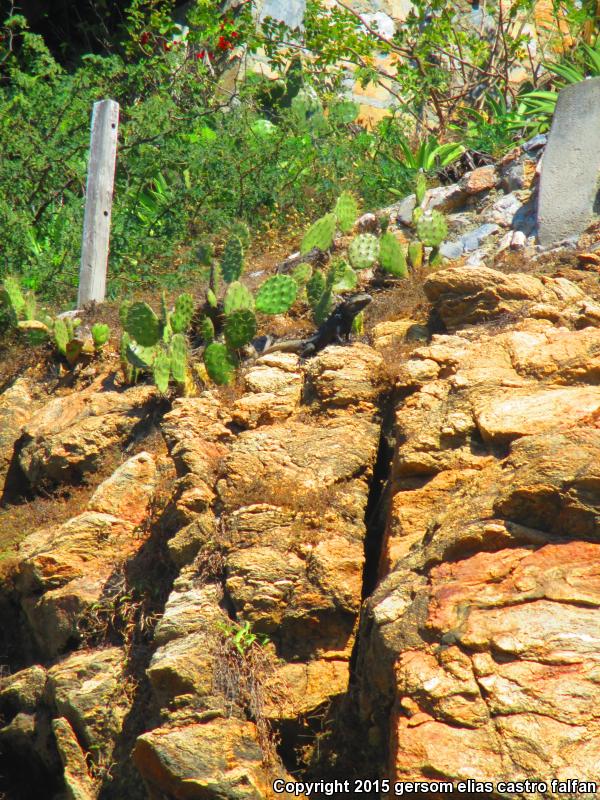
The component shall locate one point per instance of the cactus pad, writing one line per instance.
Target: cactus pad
(141, 357)
(315, 288)
(415, 254)
(161, 371)
(207, 329)
(61, 336)
(432, 228)
(181, 317)
(301, 274)
(220, 363)
(240, 328)
(100, 335)
(346, 212)
(232, 261)
(276, 295)
(237, 296)
(143, 325)
(391, 256)
(319, 235)
(420, 187)
(242, 231)
(345, 280)
(179, 357)
(364, 251)
(322, 309)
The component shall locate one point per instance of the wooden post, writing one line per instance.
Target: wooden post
(98, 202)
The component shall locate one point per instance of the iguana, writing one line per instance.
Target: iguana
(337, 325)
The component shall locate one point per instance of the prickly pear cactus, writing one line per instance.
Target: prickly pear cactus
(420, 187)
(320, 234)
(232, 262)
(180, 319)
(432, 228)
(178, 353)
(315, 288)
(242, 231)
(276, 295)
(391, 256)
(346, 212)
(161, 371)
(240, 328)
(322, 309)
(207, 329)
(61, 336)
(219, 362)
(363, 251)
(211, 298)
(415, 254)
(301, 274)
(141, 357)
(236, 297)
(100, 335)
(143, 325)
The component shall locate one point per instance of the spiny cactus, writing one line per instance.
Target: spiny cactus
(240, 328)
(211, 298)
(236, 297)
(161, 371)
(415, 254)
(346, 212)
(315, 287)
(420, 187)
(391, 256)
(276, 295)
(320, 234)
(178, 355)
(220, 363)
(207, 329)
(232, 261)
(143, 325)
(432, 228)
(180, 319)
(63, 334)
(322, 309)
(340, 276)
(364, 251)
(100, 335)
(301, 274)
(242, 231)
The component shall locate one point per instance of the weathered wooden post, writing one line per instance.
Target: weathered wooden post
(98, 202)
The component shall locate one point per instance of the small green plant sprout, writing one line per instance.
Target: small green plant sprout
(242, 636)
(346, 212)
(232, 261)
(100, 335)
(391, 256)
(363, 251)
(415, 254)
(157, 345)
(320, 234)
(358, 324)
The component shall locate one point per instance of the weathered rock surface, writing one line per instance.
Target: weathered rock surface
(480, 645)
(15, 412)
(70, 435)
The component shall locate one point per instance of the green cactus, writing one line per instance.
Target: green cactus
(320, 234)
(391, 256)
(315, 287)
(123, 311)
(161, 371)
(232, 261)
(211, 298)
(180, 319)
(240, 328)
(141, 357)
(435, 257)
(432, 228)
(13, 297)
(178, 352)
(130, 373)
(100, 335)
(207, 329)
(143, 325)
(363, 251)
(358, 324)
(236, 297)
(276, 295)
(346, 280)
(415, 254)
(301, 274)
(220, 363)
(242, 231)
(420, 187)
(61, 336)
(346, 212)
(322, 309)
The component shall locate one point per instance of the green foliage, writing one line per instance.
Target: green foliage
(276, 295)
(220, 363)
(364, 251)
(391, 256)
(320, 234)
(232, 262)
(415, 254)
(242, 637)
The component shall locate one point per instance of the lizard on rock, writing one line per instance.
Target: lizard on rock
(337, 325)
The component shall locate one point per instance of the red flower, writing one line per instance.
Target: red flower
(144, 38)
(234, 34)
(166, 46)
(224, 44)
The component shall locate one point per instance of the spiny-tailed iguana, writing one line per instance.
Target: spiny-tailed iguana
(337, 325)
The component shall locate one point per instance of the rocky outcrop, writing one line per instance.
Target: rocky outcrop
(480, 643)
